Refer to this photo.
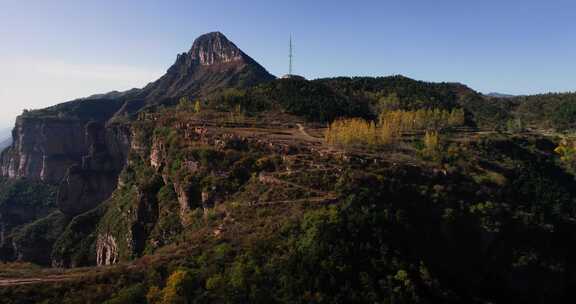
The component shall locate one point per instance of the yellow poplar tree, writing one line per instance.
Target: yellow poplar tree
(197, 106)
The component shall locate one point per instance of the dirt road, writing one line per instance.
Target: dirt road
(302, 130)
(7, 282)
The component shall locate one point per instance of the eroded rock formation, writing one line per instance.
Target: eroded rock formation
(106, 250)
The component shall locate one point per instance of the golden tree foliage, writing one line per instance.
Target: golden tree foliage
(424, 119)
(432, 145)
(387, 133)
(567, 151)
(197, 106)
(391, 125)
(154, 295)
(236, 115)
(175, 290)
(185, 104)
(353, 131)
(431, 140)
(457, 118)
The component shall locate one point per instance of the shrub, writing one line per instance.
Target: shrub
(175, 292)
(567, 151)
(154, 295)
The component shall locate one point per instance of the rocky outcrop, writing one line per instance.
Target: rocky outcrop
(188, 196)
(157, 153)
(213, 62)
(213, 48)
(106, 250)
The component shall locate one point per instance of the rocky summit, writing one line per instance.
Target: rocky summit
(219, 183)
(212, 63)
(214, 48)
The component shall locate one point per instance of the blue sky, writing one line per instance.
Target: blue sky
(51, 51)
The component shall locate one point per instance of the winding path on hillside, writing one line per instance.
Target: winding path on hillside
(302, 130)
(7, 282)
(318, 200)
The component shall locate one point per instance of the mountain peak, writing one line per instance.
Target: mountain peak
(213, 62)
(214, 48)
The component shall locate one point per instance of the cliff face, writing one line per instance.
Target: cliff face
(78, 161)
(43, 149)
(89, 183)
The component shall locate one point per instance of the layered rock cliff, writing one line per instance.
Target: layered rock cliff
(43, 149)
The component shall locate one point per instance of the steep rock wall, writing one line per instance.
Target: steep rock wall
(88, 184)
(43, 149)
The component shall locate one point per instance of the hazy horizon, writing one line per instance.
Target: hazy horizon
(62, 50)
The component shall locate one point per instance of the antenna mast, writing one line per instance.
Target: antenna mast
(290, 56)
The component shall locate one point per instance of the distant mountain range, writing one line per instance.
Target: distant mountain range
(500, 95)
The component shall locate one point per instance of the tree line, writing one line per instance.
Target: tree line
(391, 125)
